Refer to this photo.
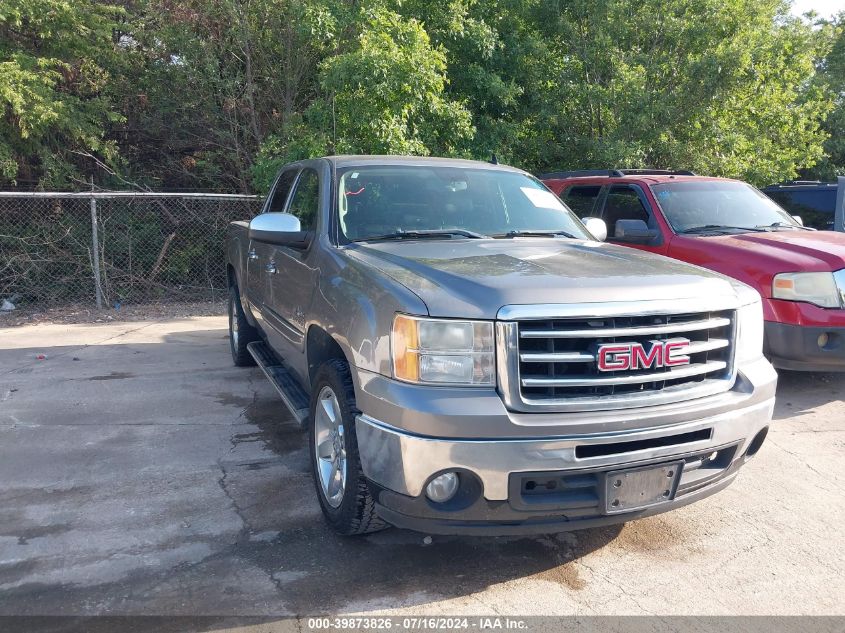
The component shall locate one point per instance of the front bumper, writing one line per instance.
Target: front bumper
(496, 474)
(496, 519)
(797, 347)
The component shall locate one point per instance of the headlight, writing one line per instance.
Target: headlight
(816, 288)
(749, 331)
(440, 351)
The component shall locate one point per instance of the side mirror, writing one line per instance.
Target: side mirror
(798, 219)
(283, 229)
(634, 232)
(597, 227)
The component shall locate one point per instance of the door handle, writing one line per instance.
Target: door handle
(270, 267)
(252, 254)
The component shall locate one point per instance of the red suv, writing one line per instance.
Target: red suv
(732, 228)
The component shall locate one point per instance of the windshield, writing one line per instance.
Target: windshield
(689, 206)
(378, 201)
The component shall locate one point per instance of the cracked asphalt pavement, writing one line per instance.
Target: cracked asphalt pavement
(141, 473)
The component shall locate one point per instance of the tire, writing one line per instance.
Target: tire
(241, 333)
(344, 497)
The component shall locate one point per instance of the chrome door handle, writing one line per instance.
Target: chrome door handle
(252, 254)
(270, 267)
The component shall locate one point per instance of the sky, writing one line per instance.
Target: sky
(824, 8)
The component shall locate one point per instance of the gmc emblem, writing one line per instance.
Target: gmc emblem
(626, 356)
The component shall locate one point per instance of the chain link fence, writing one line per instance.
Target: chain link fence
(108, 248)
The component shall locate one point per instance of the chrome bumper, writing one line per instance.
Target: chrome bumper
(403, 462)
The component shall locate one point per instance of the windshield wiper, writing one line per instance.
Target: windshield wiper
(781, 225)
(421, 234)
(534, 234)
(718, 227)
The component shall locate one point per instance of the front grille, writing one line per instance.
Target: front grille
(558, 358)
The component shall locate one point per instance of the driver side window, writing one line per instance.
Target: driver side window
(624, 202)
(280, 193)
(306, 199)
(581, 199)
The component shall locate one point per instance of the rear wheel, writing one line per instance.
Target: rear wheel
(241, 333)
(341, 488)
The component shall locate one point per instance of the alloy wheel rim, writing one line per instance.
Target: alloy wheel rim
(330, 447)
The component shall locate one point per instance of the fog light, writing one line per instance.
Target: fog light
(823, 340)
(442, 488)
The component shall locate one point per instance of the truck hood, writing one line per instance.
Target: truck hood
(782, 251)
(475, 278)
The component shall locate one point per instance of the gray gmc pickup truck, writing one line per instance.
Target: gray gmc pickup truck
(468, 357)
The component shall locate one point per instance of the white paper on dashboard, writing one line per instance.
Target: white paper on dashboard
(542, 199)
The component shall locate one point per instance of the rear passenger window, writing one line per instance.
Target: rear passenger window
(624, 203)
(582, 199)
(306, 199)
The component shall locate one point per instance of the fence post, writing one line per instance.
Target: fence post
(95, 244)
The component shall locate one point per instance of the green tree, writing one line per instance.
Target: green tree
(53, 78)
(383, 91)
(205, 81)
(497, 65)
(719, 86)
(831, 77)
(387, 93)
(216, 94)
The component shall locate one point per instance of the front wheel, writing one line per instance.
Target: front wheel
(341, 488)
(241, 333)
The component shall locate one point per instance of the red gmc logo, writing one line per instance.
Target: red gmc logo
(622, 356)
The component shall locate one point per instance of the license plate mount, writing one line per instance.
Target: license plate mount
(638, 488)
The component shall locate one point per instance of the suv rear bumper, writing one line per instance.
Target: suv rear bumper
(496, 473)
(796, 347)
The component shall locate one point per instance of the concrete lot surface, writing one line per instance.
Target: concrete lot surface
(141, 473)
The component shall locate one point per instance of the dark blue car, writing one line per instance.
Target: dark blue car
(814, 201)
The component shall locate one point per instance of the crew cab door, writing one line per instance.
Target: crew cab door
(259, 254)
(293, 278)
(628, 202)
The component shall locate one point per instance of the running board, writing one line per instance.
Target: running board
(294, 396)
